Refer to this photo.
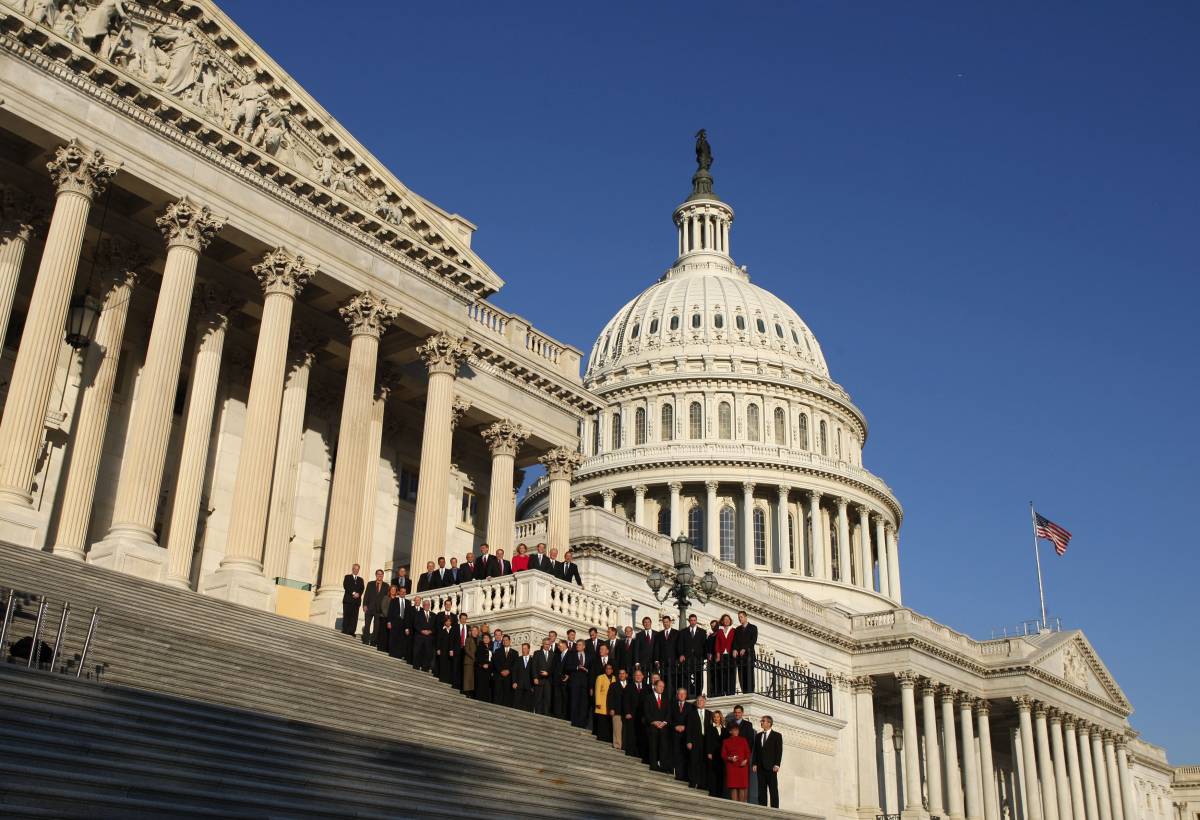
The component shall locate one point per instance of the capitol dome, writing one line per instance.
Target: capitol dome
(722, 423)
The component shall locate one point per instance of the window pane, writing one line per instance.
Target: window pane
(664, 520)
(674, 323)
(639, 426)
(725, 420)
(740, 321)
(752, 422)
(760, 537)
(761, 325)
(616, 431)
(719, 321)
(636, 330)
(780, 427)
(803, 431)
(695, 320)
(653, 326)
(779, 330)
(696, 420)
(727, 534)
(824, 439)
(668, 423)
(695, 524)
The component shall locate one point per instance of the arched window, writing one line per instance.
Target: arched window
(718, 321)
(803, 431)
(824, 439)
(795, 563)
(695, 526)
(674, 323)
(752, 422)
(740, 321)
(760, 536)
(761, 325)
(696, 321)
(780, 427)
(696, 420)
(724, 420)
(667, 427)
(727, 533)
(653, 326)
(633, 334)
(664, 520)
(639, 426)
(616, 430)
(779, 330)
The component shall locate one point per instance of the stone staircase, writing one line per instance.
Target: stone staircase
(206, 708)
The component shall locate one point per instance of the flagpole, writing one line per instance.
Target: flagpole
(1037, 557)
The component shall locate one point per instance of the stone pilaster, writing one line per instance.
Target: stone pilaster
(712, 520)
(820, 552)
(79, 176)
(119, 260)
(368, 316)
(746, 559)
(130, 545)
(504, 439)
(893, 550)
(19, 219)
(606, 498)
(845, 574)
(304, 346)
(212, 306)
(560, 464)
(987, 769)
(933, 763)
(970, 762)
(240, 578)
(783, 541)
(639, 504)
(912, 751)
(1062, 787)
(676, 509)
(954, 783)
(884, 564)
(866, 567)
(867, 740)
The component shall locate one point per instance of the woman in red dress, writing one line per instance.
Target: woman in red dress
(735, 751)
(520, 561)
(725, 675)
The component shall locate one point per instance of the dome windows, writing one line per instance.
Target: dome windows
(696, 420)
(667, 424)
(653, 326)
(674, 323)
(795, 337)
(639, 426)
(779, 330)
(824, 439)
(718, 320)
(761, 325)
(696, 321)
(616, 430)
(753, 422)
(780, 427)
(740, 321)
(637, 331)
(803, 431)
(725, 420)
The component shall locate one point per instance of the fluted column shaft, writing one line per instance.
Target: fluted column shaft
(367, 317)
(283, 276)
(865, 564)
(676, 510)
(987, 769)
(1045, 766)
(1071, 743)
(712, 521)
(893, 563)
(504, 440)
(79, 178)
(1114, 779)
(954, 784)
(783, 542)
(1033, 799)
(1062, 786)
(912, 759)
(287, 462)
(193, 456)
(868, 746)
(747, 526)
(843, 524)
(1088, 772)
(933, 763)
(820, 553)
(87, 437)
(639, 505)
(18, 217)
(443, 356)
(881, 545)
(1103, 795)
(971, 785)
(370, 496)
(1128, 801)
(560, 464)
(1021, 772)
(188, 229)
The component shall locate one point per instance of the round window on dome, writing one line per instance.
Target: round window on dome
(637, 329)
(653, 326)
(674, 323)
(779, 330)
(695, 321)
(761, 325)
(740, 321)
(718, 321)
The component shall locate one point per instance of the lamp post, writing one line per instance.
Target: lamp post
(683, 587)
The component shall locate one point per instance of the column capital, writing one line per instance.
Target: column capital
(283, 272)
(1039, 709)
(966, 701)
(929, 687)
(748, 487)
(982, 707)
(304, 342)
(906, 678)
(20, 216)
(189, 225)
(948, 694)
(120, 262)
(711, 486)
(864, 511)
(889, 527)
(80, 171)
(211, 304)
(608, 495)
(863, 683)
(458, 409)
(1053, 715)
(814, 496)
(504, 438)
(842, 502)
(367, 314)
(443, 353)
(1068, 722)
(1082, 727)
(579, 501)
(784, 490)
(641, 489)
(675, 486)
(561, 463)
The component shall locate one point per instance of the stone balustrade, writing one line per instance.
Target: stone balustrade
(521, 593)
(521, 337)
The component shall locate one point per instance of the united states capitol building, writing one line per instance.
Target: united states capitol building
(241, 355)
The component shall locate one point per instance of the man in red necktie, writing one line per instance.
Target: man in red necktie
(658, 729)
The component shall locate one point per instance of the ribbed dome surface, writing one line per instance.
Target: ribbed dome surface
(701, 309)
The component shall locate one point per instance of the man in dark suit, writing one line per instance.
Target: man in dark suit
(462, 572)
(522, 677)
(691, 646)
(504, 659)
(618, 696)
(593, 647)
(483, 563)
(399, 625)
(403, 580)
(633, 733)
(352, 592)
(445, 656)
(499, 565)
(579, 686)
(745, 638)
(699, 726)
(442, 574)
(645, 647)
(570, 570)
(656, 714)
(427, 580)
(622, 653)
(374, 605)
(540, 560)
(423, 628)
(667, 656)
(559, 698)
(555, 565)
(744, 728)
(541, 672)
(462, 634)
(767, 758)
(680, 710)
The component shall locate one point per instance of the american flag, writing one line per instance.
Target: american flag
(1045, 528)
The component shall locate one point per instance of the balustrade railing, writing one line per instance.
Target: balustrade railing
(31, 649)
(486, 598)
(731, 676)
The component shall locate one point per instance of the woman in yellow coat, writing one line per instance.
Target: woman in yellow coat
(602, 723)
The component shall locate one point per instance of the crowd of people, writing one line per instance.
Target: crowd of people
(642, 691)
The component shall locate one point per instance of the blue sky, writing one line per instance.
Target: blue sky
(987, 215)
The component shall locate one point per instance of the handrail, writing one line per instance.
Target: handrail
(36, 656)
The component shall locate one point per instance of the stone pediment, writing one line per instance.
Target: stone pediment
(1069, 658)
(188, 65)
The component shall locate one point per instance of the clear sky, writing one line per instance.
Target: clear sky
(988, 215)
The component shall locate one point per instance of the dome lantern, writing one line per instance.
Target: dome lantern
(702, 222)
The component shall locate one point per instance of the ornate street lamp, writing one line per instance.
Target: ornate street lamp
(81, 322)
(682, 588)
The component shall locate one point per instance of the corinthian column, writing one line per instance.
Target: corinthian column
(240, 576)
(1088, 770)
(991, 805)
(1062, 787)
(639, 504)
(560, 463)
(19, 217)
(1103, 795)
(912, 755)
(304, 346)
(933, 763)
(712, 526)
(820, 552)
(970, 762)
(212, 306)
(1078, 809)
(504, 440)
(783, 540)
(1128, 803)
(954, 784)
(893, 562)
(368, 317)
(130, 545)
(119, 260)
(747, 556)
(366, 541)
(1033, 799)
(865, 564)
(676, 509)
(79, 177)
(443, 355)
(881, 547)
(844, 574)
(1045, 764)
(868, 747)
(1114, 779)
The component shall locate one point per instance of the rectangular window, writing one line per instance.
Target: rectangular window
(408, 484)
(760, 537)
(470, 506)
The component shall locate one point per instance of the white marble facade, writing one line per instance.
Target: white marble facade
(293, 365)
